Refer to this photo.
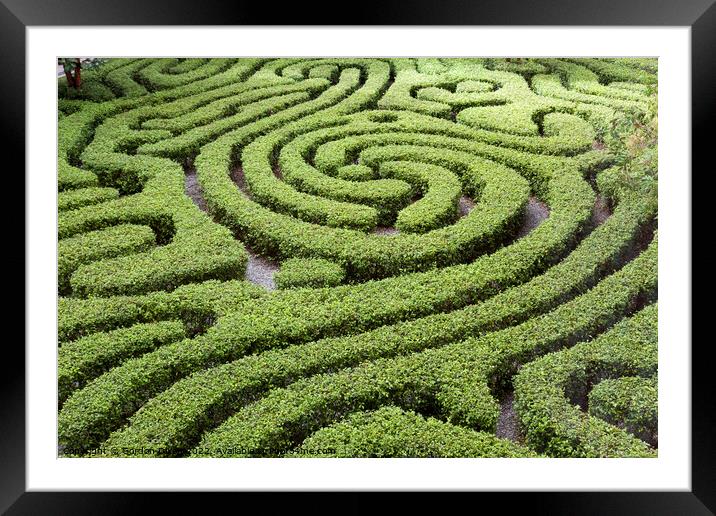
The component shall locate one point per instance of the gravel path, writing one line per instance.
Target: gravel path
(601, 211)
(535, 212)
(385, 231)
(508, 424)
(237, 176)
(465, 205)
(193, 189)
(259, 270)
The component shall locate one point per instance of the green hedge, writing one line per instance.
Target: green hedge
(86, 248)
(304, 273)
(84, 197)
(392, 432)
(610, 71)
(192, 112)
(440, 190)
(121, 79)
(454, 381)
(162, 73)
(551, 86)
(82, 360)
(327, 155)
(544, 391)
(71, 178)
(195, 304)
(184, 65)
(365, 256)
(197, 248)
(630, 403)
(334, 313)
(211, 395)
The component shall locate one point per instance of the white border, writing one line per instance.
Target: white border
(670, 471)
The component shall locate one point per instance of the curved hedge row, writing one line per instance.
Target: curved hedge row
(308, 273)
(95, 245)
(210, 395)
(192, 303)
(76, 198)
(392, 432)
(629, 403)
(364, 256)
(544, 390)
(86, 358)
(452, 380)
(267, 323)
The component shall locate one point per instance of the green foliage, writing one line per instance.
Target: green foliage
(392, 432)
(376, 338)
(633, 140)
(73, 252)
(544, 390)
(629, 403)
(308, 273)
(428, 380)
(86, 358)
(79, 197)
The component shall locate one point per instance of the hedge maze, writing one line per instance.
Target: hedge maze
(354, 258)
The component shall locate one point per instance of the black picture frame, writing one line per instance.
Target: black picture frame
(700, 15)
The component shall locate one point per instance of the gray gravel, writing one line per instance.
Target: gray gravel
(192, 188)
(601, 211)
(535, 212)
(259, 270)
(385, 231)
(465, 205)
(508, 424)
(237, 176)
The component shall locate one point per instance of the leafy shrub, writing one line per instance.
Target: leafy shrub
(629, 403)
(392, 432)
(301, 272)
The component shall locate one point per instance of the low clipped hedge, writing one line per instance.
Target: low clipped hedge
(630, 403)
(194, 304)
(397, 315)
(78, 198)
(440, 191)
(499, 105)
(611, 71)
(193, 403)
(551, 86)
(196, 248)
(189, 142)
(455, 381)
(306, 273)
(201, 110)
(330, 317)
(284, 236)
(544, 391)
(86, 248)
(162, 73)
(392, 432)
(121, 79)
(70, 178)
(82, 360)
(356, 173)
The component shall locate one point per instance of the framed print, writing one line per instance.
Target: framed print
(426, 250)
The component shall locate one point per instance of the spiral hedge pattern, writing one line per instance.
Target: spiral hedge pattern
(433, 239)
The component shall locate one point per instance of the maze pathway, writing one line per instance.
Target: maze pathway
(354, 257)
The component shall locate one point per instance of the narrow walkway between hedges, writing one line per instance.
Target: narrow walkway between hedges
(259, 270)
